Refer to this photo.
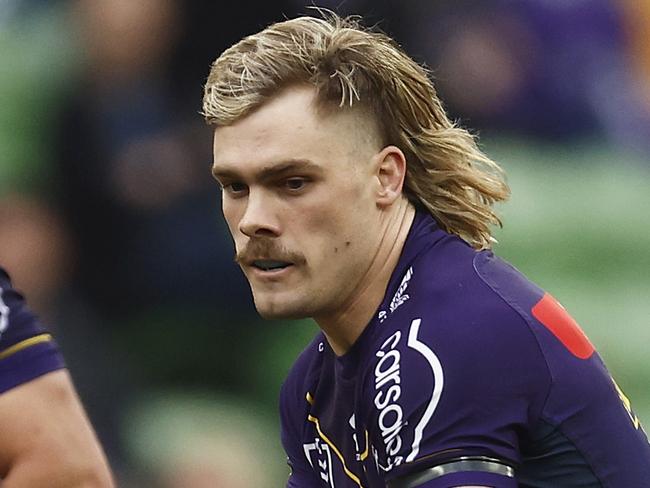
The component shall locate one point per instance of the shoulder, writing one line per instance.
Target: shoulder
(473, 311)
(467, 294)
(464, 315)
(455, 368)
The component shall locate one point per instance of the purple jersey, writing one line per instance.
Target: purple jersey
(26, 349)
(468, 374)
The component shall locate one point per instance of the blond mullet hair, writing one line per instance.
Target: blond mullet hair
(351, 66)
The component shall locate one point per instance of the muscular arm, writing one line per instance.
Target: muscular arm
(46, 439)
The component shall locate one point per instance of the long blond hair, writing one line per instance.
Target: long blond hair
(352, 66)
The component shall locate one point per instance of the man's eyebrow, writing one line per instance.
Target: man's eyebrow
(223, 173)
(271, 171)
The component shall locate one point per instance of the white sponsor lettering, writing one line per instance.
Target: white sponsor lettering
(388, 392)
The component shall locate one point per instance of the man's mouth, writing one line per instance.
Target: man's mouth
(270, 264)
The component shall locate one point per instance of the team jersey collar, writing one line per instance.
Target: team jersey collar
(419, 238)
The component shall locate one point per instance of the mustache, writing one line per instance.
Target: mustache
(262, 248)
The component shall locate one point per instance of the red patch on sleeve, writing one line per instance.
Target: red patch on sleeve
(556, 319)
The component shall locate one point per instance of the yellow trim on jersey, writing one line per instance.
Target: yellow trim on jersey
(309, 398)
(350, 474)
(627, 404)
(19, 346)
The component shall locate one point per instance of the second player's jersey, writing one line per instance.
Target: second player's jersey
(26, 349)
(465, 359)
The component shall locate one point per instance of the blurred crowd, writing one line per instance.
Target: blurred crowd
(110, 222)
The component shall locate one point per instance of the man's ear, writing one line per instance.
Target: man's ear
(390, 170)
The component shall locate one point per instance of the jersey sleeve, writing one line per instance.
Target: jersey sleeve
(27, 350)
(461, 383)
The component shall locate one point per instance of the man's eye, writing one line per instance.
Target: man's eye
(295, 183)
(235, 188)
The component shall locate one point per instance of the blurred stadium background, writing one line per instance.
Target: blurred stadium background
(110, 223)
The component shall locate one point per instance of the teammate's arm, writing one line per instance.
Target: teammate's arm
(46, 438)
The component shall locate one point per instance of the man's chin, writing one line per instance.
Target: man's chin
(274, 311)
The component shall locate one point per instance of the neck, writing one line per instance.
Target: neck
(344, 327)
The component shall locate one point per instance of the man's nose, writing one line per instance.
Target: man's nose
(259, 219)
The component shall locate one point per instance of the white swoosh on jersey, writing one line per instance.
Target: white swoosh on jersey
(438, 382)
